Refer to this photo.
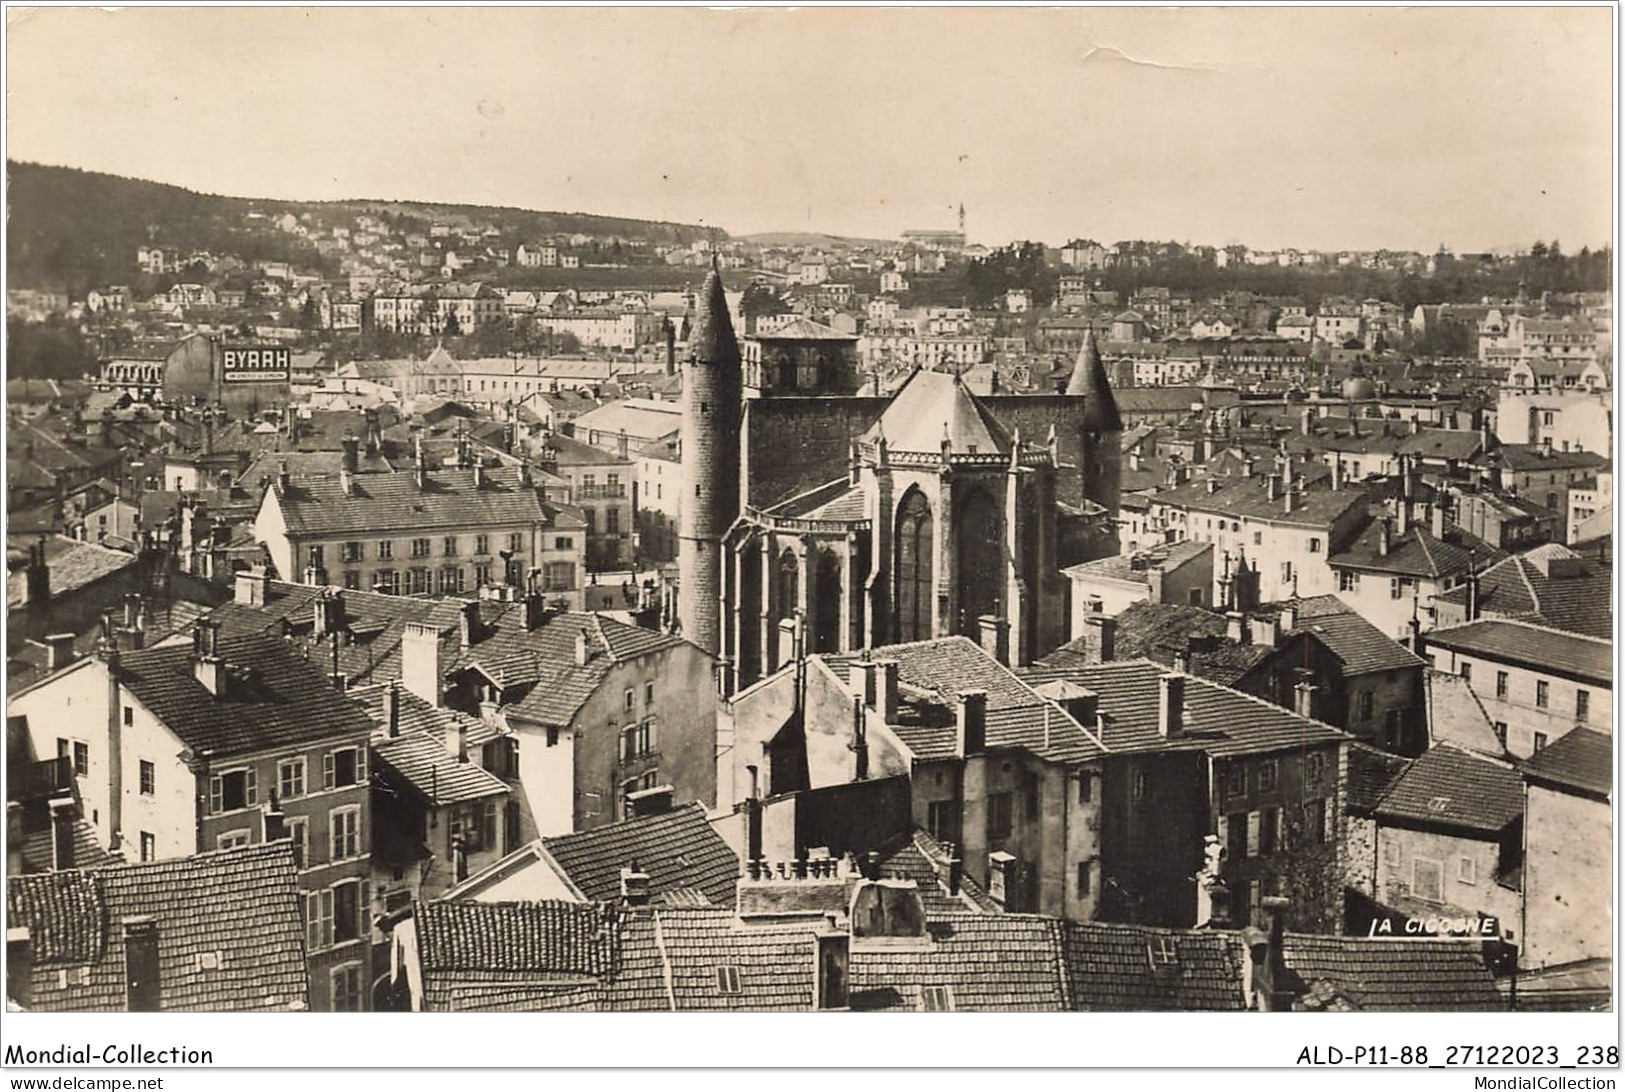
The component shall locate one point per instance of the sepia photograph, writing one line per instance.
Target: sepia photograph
(931, 510)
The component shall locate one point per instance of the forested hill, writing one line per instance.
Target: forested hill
(73, 230)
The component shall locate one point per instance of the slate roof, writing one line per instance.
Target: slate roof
(677, 850)
(73, 565)
(38, 849)
(988, 962)
(1582, 759)
(1443, 443)
(1379, 974)
(1110, 969)
(1537, 647)
(273, 697)
(837, 500)
(239, 905)
(1219, 721)
(392, 502)
(1359, 645)
(932, 406)
(1532, 457)
(1455, 788)
(1519, 587)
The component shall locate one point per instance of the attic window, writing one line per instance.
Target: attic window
(728, 981)
(1439, 804)
(1162, 951)
(208, 961)
(936, 999)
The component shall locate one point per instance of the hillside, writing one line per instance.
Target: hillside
(806, 239)
(73, 229)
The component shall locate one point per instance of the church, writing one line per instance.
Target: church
(820, 518)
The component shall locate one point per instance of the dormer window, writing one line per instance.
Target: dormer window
(728, 981)
(936, 999)
(1162, 951)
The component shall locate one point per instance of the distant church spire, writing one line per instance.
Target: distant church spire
(1089, 379)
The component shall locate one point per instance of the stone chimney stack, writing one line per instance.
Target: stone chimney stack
(420, 661)
(971, 723)
(1171, 705)
(886, 690)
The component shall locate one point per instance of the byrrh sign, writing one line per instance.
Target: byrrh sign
(256, 363)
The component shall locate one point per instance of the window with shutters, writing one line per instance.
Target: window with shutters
(345, 824)
(299, 835)
(448, 546)
(347, 911)
(319, 920)
(482, 544)
(386, 550)
(1427, 880)
(1314, 821)
(290, 778)
(232, 790)
(1000, 816)
(420, 547)
(1269, 832)
(81, 755)
(346, 766)
(1236, 835)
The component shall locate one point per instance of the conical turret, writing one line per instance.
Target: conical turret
(710, 463)
(1089, 379)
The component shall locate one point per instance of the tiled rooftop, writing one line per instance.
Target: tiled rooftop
(1534, 646)
(393, 503)
(677, 850)
(1582, 759)
(1453, 787)
(238, 909)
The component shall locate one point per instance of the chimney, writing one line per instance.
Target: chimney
(250, 586)
(1277, 992)
(347, 482)
(392, 708)
(327, 612)
(352, 454)
(19, 966)
(995, 634)
(1247, 467)
(860, 676)
(1472, 597)
(1171, 705)
(468, 624)
(620, 445)
(971, 725)
(457, 738)
(37, 580)
(1546, 446)
(141, 964)
(1337, 472)
(1273, 486)
(1266, 632)
(479, 476)
(1100, 639)
(420, 661)
(1436, 517)
(886, 690)
(62, 817)
(282, 477)
(58, 651)
(583, 650)
(1236, 629)
(1304, 699)
(208, 667)
(1384, 537)
(753, 825)
(1290, 491)
(634, 886)
(276, 821)
(1154, 577)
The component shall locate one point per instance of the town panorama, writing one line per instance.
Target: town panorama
(419, 607)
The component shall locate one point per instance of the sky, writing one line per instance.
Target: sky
(1320, 128)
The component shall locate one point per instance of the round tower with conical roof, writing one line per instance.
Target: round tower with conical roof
(710, 464)
(1102, 428)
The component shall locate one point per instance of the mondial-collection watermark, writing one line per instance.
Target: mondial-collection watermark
(110, 1054)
